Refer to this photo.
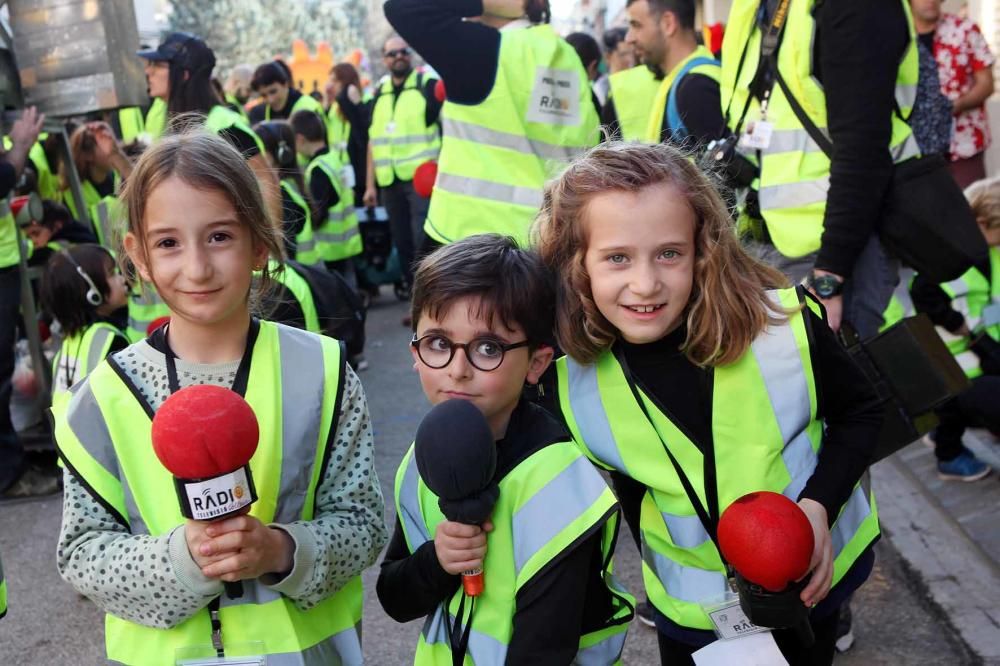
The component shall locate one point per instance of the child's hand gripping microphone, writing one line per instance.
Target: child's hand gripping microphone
(205, 436)
(768, 540)
(457, 458)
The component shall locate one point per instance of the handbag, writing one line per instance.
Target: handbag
(926, 221)
(913, 374)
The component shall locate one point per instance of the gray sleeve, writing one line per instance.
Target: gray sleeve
(148, 580)
(348, 531)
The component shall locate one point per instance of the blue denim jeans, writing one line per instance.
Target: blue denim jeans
(867, 290)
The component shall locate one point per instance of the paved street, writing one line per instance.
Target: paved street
(50, 624)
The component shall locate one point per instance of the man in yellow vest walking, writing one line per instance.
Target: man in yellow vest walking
(685, 109)
(404, 133)
(519, 108)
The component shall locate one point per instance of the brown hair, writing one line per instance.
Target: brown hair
(206, 162)
(63, 290)
(984, 198)
(728, 306)
(347, 74)
(511, 283)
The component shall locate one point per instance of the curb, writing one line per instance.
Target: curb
(962, 580)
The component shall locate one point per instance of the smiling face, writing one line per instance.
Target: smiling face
(640, 258)
(198, 253)
(497, 392)
(276, 95)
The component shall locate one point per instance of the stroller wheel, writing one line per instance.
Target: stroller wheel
(401, 290)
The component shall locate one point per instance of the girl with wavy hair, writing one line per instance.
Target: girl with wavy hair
(697, 375)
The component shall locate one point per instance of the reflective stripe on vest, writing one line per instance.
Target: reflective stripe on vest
(338, 134)
(971, 295)
(91, 197)
(497, 155)
(400, 138)
(108, 222)
(547, 503)
(665, 94)
(339, 236)
(79, 355)
(144, 307)
(794, 172)
(633, 91)
(104, 438)
(306, 251)
(766, 441)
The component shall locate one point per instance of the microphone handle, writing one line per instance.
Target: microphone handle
(473, 582)
(234, 590)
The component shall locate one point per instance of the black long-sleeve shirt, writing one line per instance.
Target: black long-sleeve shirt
(562, 602)
(929, 298)
(466, 54)
(859, 45)
(359, 116)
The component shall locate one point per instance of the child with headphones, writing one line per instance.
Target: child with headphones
(82, 289)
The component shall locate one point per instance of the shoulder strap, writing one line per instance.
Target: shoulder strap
(675, 123)
(821, 139)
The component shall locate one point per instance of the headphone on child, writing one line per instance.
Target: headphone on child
(94, 295)
(284, 155)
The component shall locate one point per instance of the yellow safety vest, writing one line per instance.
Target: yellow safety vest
(104, 422)
(547, 503)
(306, 249)
(400, 138)
(10, 236)
(794, 171)
(91, 197)
(131, 123)
(156, 119)
(79, 355)
(300, 290)
(633, 92)
(695, 63)
(338, 237)
(3, 592)
(497, 155)
(765, 434)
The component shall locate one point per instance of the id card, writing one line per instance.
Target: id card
(758, 135)
(728, 618)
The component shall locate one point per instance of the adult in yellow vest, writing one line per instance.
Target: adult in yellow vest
(98, 160)
(686, 108)
(819, 215)
(17, 479)
(281, 100)
(519, 109)
(636, 87)
(403, 134)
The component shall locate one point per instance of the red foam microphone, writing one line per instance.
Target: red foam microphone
(205, 436)
(440, 94)
(157, 323)
(424, 178)
(768, 539)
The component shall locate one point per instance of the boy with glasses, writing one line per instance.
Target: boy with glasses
(482, 313)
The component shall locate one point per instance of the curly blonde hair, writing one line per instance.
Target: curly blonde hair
(984, 198)
(728, 306)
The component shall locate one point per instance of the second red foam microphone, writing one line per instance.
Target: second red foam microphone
(205, 436)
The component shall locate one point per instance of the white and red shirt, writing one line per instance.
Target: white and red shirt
(961, 50)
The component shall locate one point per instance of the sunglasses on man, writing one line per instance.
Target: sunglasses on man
(398, 53)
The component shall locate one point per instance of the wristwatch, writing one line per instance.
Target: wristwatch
(825, 286)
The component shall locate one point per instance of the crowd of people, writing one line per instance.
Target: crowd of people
(671, 243)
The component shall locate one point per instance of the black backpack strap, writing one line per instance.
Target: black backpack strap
(817, 135)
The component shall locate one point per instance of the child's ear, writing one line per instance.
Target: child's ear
(260, 255)
(137, 256)
(539, 363)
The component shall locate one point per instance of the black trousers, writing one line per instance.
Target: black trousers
(11, 451)
(979, 407)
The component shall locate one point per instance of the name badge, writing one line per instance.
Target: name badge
(757, 135)
(730, 621)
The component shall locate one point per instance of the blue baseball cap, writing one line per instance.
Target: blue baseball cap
(184, 49)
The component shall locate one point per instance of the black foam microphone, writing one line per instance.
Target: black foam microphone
(457, 459)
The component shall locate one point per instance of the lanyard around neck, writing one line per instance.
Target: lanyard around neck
(242, 371)
(708, 516)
